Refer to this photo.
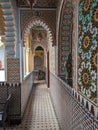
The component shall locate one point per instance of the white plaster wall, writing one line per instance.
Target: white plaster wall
(2, 75)
(52, 58)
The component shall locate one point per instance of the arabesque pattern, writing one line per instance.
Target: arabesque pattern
(88, 48)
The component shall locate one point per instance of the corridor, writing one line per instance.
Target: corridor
(39, 114)
(55, 41)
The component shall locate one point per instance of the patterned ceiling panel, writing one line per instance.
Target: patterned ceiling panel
(22, 3)
(38, 3)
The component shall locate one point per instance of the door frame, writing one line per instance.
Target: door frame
(48, 71)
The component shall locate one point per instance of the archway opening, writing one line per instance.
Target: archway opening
(39, 66)
(38, 41)
(39, 58)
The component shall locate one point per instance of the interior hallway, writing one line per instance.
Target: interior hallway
(39, 114)
(55, 40)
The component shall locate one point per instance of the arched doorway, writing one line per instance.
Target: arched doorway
(38, 22)
(37, 37)
(39, 59)
(39, 63)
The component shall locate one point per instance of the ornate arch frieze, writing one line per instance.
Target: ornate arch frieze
(37, 22)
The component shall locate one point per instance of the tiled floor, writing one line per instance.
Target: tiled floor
(40, 113)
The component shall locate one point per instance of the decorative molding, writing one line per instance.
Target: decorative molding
(39, 44)
(65, 36)
(10, 27)
(34, 22)
(38, 4)
(48, 16)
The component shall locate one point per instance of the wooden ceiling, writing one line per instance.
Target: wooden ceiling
(38, 3)
(2, 25)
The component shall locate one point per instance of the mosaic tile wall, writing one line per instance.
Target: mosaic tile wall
(19, 97)
(88, 48)
(65, 39)
(13, 70)
(71, 114)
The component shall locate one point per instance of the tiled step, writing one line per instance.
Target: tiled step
(9, 39)
(10, 34)
(4, 1)
(9, 24)
(6, 5)
(10, 29)
(7, 12)
(8, 18)
(9, 43)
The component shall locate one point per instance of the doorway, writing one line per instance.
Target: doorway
(39, 67)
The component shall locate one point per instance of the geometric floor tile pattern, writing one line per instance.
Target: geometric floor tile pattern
(40, 114)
